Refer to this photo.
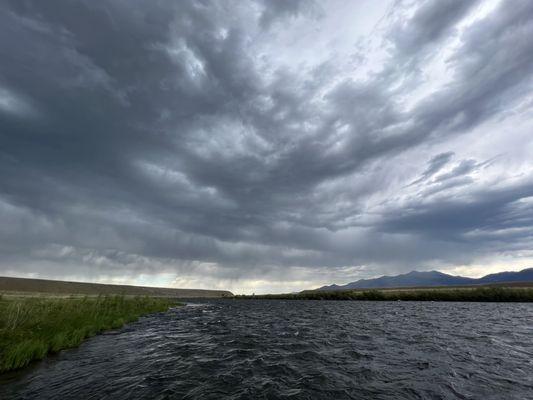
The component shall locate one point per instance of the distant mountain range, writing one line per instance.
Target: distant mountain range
(433, 278)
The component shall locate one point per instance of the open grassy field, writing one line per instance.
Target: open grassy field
(20, 286)
(477, 293)
(32, 327)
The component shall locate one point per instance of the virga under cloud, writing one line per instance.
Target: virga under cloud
(268, 145)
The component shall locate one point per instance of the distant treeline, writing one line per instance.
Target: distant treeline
(485, 294)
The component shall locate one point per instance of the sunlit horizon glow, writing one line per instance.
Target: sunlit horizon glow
(265, 146)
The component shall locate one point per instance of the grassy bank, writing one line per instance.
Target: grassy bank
(485, 294)
(30, 328)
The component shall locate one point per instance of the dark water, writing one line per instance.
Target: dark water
(299, 350)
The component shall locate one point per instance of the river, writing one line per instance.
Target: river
(262, 349)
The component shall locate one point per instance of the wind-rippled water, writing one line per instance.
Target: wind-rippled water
(299, 350)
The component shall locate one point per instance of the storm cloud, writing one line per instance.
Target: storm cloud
(264, 146)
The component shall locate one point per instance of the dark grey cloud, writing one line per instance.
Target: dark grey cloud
(176, 137)
(434, 165)
(278, 10)
(461, 169)
(432, 21)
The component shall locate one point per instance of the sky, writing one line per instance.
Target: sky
(264, 146)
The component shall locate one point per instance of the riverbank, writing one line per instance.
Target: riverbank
(481, 294)
(32, 327)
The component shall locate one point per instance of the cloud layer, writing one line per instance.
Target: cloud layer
(264, 146)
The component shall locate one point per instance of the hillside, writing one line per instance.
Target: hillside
(432, 278)
(64, 287)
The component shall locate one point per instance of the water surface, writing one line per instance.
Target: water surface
(245, 349)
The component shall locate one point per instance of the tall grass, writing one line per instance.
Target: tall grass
(483, 294)
(31, 328)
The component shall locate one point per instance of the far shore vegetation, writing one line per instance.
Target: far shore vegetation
(32, 327)
(481, 294)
